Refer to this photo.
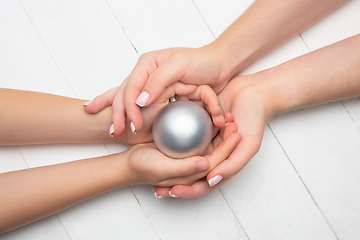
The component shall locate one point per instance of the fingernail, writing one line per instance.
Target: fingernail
(157, 196)
(202, 166)
(172, 195)
(132, 127)
(189, 85)
(215, 180)
(87, 103)
(222, 117)
(111, 131)
(143, 99)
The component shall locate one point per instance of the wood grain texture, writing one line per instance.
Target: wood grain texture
(303, 184)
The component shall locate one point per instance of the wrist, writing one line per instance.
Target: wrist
(255, 89)
(237, 52)
(101, 127)
(120, 171)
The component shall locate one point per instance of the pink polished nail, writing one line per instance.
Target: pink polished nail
(132, 127)
(143, 99)
(111, 131)
(215, 180)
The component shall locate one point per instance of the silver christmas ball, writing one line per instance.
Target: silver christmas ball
(182, 129)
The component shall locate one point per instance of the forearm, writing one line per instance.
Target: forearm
(32, 194)
(264, 26)
(328, 74)
(33, 118)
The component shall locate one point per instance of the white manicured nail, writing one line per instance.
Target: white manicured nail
(143, 99)
(157, 196)
(132, 127)
(215, 180)
(172, 195)
(111, 131)
(87, 103)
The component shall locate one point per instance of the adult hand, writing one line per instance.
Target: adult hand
(202, 95)
(153, 73)
(244, 98)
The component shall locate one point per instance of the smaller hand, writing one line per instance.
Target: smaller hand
(147, 165)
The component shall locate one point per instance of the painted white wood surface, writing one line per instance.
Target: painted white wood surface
(303, 184)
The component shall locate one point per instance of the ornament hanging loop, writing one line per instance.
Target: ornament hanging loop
(174, 98)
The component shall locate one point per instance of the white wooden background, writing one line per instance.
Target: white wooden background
(303, 184)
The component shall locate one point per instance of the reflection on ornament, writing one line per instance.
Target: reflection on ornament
(182, 129)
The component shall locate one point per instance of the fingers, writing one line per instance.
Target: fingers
(228, 117)
(197, 189)
(101, 102)
(178, 88)
(242, 154)
(228, 129)
(207, 95)
(118, 116)
(177, 170)
(146, 83)
(161, 192)
(168, 73)
(224, 149)
(112, 97)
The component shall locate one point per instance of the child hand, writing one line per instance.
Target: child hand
(146, 164)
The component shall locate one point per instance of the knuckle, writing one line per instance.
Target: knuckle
(236, 170)
(154, 82)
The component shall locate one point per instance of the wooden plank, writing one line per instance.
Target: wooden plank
(353, 107)
(161, 24)
(114, 215)
(270, 199)
(218, 15)
(45, 229)
(11, 159)
(86, 41)
(207, 217)
(25, 63)
(338, 25)
(325, 152)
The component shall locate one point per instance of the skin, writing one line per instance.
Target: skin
(329, 74)
(38, 118)
(265, 25)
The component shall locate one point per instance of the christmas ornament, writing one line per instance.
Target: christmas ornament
(182, 129)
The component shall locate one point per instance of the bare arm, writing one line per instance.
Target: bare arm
(31, 194)
(264, 26)
(329, 74)
(32, 117)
